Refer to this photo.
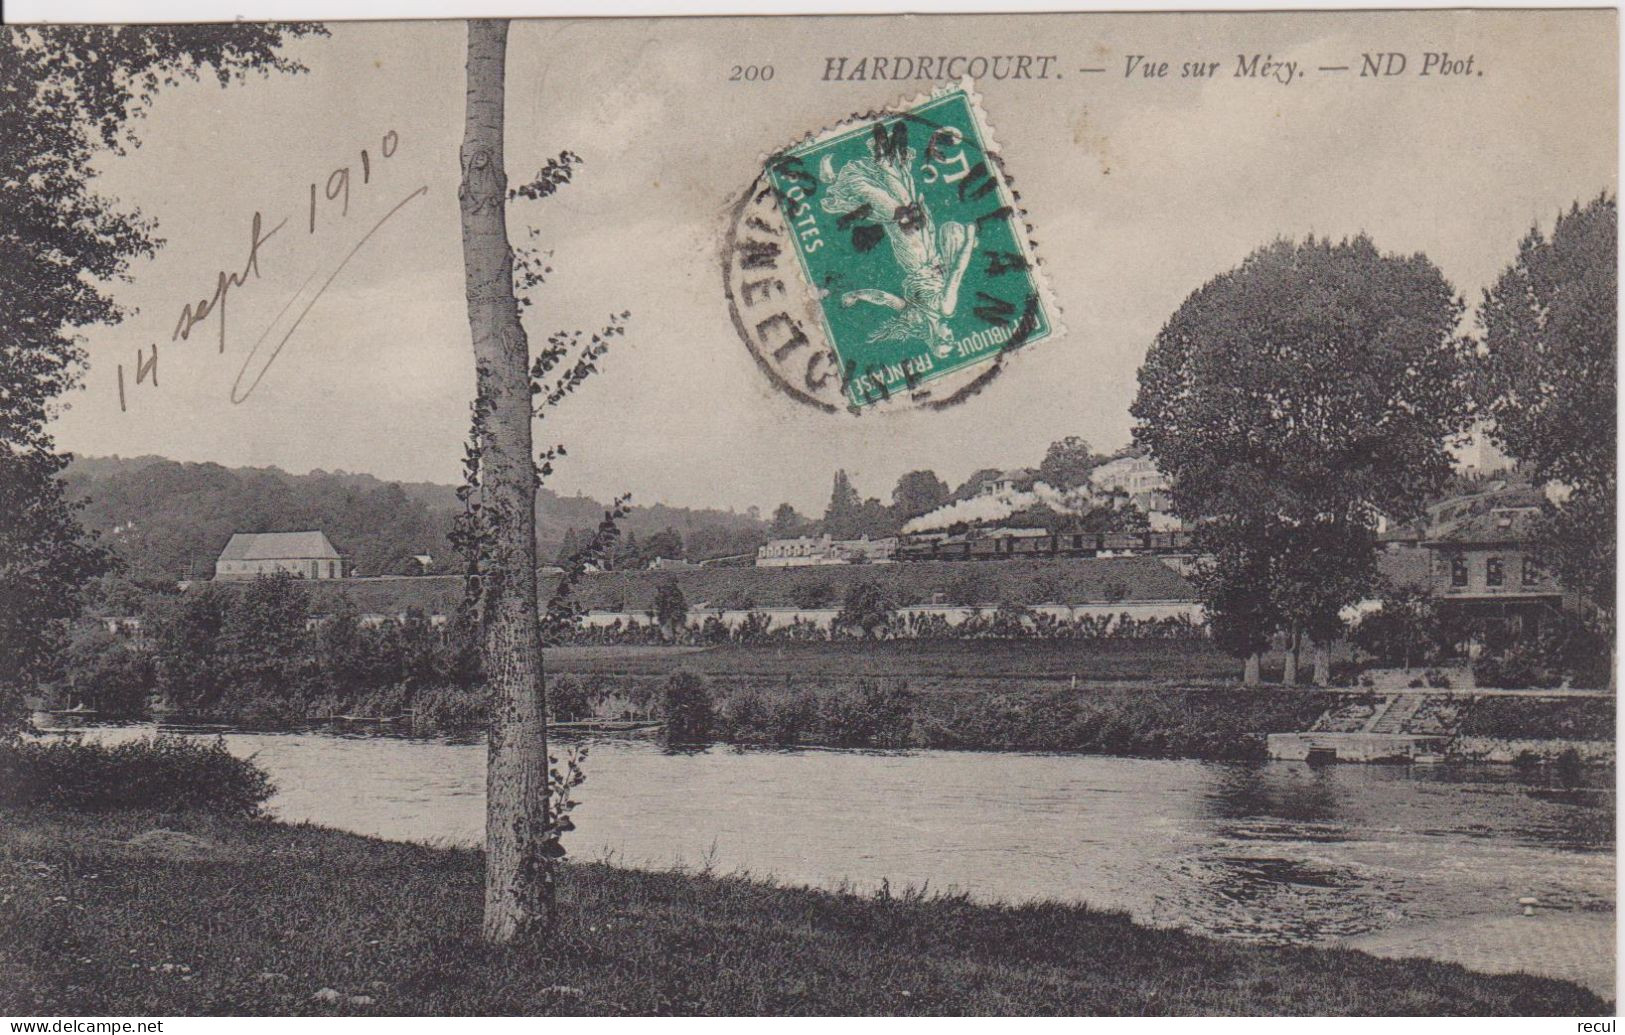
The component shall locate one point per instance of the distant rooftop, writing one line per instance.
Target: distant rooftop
(276, 546)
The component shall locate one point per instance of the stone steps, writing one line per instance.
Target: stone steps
(1401, 709)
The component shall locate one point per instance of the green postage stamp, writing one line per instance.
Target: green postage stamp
(914, 250)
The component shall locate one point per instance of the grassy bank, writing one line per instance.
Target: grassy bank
(106, 914)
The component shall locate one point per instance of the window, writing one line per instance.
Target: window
(1494, 571)
(1531, 571)
(1458, 571)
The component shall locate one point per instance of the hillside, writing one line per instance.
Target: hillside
(168, 519)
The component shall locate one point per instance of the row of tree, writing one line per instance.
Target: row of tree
(252, 650)
(1300, 398)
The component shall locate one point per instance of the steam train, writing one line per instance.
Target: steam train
(1065, 544)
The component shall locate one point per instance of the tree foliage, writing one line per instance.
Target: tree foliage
(916, 493)
(1292, 401)
(1546, 380)
(68, 93)
(671, 609)
(1067, 463)
(867, 608)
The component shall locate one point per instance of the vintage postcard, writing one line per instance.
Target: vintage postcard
(1008, 514)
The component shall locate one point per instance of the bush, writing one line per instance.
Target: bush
(867, 609)
(868, 715)
(450, 708)
(686, 709)
(568, 700)
(164, 773)
(747, 718)
(1518, 667)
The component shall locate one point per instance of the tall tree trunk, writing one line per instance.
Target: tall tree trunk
(1323, 665)
(516, 760)
(1250, 675)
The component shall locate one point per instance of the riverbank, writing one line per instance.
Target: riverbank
(1130, 719)
(120, 913)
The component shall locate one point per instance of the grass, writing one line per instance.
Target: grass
(227, 916)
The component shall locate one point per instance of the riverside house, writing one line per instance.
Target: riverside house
(1485, 566)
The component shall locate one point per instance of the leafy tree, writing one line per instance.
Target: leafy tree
(419, 650)
(844, 514)
(262, 638)
(185, 637)
(1404, 631)
(627, 555)
(666, 543)
(1296, 398)
(1547, 380)
(874, 519)
(1234, 583)
(671, 609)
(1067, 463)
(787, 522)
(918, 492)
(68, 93)
(568, 548)
(1124, 518)
(108, 674)
(342, 648)
(45, 561)
(867, 608)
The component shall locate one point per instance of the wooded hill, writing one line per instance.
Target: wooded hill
(167, 520)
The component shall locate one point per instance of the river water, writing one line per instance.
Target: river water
(1424, 860)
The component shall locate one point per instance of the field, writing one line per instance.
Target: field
(182, 915)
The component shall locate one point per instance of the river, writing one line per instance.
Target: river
(1422, 860)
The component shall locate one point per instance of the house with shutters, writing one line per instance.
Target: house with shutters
(308, 554)
(1485, 565)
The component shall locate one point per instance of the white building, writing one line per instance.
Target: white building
(1135, 477)
(807, 550)
(264, 553)
(798, 552)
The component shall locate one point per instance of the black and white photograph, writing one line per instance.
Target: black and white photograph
(1033, 513)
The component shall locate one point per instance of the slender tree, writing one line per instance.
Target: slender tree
(516, 763)
(527, 801)
(845, 511)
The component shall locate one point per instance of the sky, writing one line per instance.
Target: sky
(1138, 191)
